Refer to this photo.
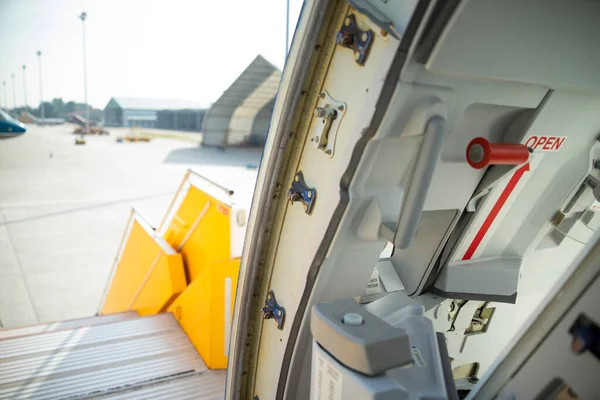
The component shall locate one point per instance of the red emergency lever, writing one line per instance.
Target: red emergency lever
(481, 153)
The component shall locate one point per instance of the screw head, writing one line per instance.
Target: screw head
(309, 194)
(341, 108)
(296, 178)
(364, 36)
(347, 21)
(345, 41)
(322, 95)
(473, 379)
(328, 152)
(597, 164)
(305, 208)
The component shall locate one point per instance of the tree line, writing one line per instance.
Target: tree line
(57, 108)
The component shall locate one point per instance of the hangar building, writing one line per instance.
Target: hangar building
(179, 115)
(241, 116)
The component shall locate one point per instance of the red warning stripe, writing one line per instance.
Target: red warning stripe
(512, 183)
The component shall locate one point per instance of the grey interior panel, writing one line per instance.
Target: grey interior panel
(549, 43)
(414, 264)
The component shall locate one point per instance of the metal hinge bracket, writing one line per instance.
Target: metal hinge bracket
(272, 310)
(354, 38)
(302, 193)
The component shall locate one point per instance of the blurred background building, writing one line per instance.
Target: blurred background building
(241, 116)
(179, 115)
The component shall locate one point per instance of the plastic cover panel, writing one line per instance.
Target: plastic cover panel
(550, 43)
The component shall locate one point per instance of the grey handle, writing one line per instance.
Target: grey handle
(414, 200)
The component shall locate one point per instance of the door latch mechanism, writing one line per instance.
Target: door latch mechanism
(329, 114)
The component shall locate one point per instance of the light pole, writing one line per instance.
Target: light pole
(14, 91)
(39, 54)
(83, 16)
(24, 88)
(287, 29)
(4, 87)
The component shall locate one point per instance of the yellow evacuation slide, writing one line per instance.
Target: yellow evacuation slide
(148, 274)
(189, 266)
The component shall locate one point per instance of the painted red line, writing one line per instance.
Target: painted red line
(512, 183)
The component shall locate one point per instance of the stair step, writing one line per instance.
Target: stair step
(145, 357)
(64, 325)
(205, 386)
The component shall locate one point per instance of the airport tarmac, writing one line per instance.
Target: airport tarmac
(63, 210)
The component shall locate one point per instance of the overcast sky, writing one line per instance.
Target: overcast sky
(180, 49)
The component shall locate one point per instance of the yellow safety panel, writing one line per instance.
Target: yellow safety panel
(205, 309)
(148, 275)
(200, 230)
